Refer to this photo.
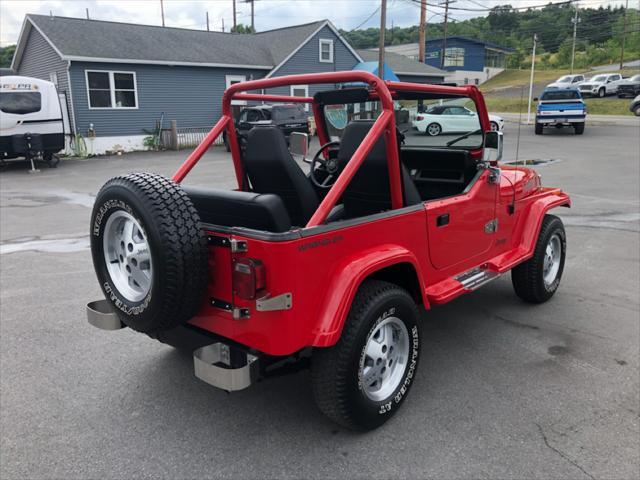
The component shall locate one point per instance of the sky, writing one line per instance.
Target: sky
(345, 14)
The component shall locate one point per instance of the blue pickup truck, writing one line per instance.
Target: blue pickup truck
(559, 108)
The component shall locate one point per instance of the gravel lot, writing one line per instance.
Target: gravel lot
(505, 389)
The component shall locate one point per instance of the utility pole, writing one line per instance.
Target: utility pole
(444, 38)
(234, 16)
(253, 25)
(223, 24)
(383, 22)
(162, 11)
(87, 10)
(575, 21)
(624, 35)
(207, 21)
(533, 67)
(422, 31)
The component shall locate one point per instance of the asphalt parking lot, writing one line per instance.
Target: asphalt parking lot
(504, 389)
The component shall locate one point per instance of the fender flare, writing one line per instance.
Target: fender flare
(347, 277)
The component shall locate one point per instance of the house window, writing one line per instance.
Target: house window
(300, 91)
(326, 50)
(454, 57)
(53, 78)
(233, 79)
(107, 89)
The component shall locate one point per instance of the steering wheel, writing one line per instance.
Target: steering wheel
(327, 165)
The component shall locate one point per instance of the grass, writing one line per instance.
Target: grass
(595, 106)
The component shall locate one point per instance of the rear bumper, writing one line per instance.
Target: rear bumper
(219, 363)
(560, 120)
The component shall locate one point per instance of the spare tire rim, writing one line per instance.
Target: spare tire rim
(551, 262)
(385, 359)
(127, 256)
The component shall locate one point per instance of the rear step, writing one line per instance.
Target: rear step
(225, 366)
(452, 287)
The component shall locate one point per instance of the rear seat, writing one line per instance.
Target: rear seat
(231, 208)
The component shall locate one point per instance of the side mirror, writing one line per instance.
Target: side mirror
(535, 99)
(299, 144)
(493, 142)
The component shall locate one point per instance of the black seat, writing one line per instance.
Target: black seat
(369, 192)
(271, 169)
(232, 208)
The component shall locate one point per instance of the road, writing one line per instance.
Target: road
(504, 389)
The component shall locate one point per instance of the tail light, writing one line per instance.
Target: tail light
(249, 278)
(419, 118)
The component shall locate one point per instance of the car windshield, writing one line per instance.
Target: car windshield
(565, 79)
(432, 122)
(560, 95)
(599, 78)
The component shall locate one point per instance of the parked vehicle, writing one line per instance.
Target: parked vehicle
(278, 275)
(451, 118)
(31, 123)
(601, 85)
(635, 106)
(566, 81)
(558, 108)
(629, 87)
(289, 118)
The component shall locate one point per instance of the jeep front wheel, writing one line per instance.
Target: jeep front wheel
(149, 253)
(537, 279)
(362, 380)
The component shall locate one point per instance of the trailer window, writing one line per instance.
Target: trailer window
(20, 103)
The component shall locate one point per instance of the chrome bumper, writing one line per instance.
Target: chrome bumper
(224, 366)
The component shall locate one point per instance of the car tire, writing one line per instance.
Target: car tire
(578, 128)
(537, 279)
(636, 111)
(602, 92)
(494, 127)
(538, 129)
(433, 129)
(382, 316)
(51, 159)
(148, 250)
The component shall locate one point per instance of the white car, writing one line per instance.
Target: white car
(567, 81)
(601, 85)
(451, 119)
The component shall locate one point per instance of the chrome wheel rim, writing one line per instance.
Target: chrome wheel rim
(551, 262)
(433, 129)
(127, 256)
(384, 359)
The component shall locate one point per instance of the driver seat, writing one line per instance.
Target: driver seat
(271, 169)
(369, 192)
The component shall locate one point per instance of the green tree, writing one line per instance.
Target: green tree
(6, 55)
(240, 28)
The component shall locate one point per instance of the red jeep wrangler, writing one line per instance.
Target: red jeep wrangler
(330, 269)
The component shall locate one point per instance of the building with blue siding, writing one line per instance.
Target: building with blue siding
(118, 79)
(467, 60)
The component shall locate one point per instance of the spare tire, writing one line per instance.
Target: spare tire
(149, 252)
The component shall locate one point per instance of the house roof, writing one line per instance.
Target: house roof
(486, 43)
(79, 39)
(402, 65)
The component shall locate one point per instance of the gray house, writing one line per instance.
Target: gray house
(118, 79)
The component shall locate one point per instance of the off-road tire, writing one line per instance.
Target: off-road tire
(578, 128)
(335, 371)
(538, 128)
(527, 278)
(177, 245)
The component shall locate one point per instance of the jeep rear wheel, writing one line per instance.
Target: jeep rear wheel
(537, 279)
(362, 380)
(148, 251)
